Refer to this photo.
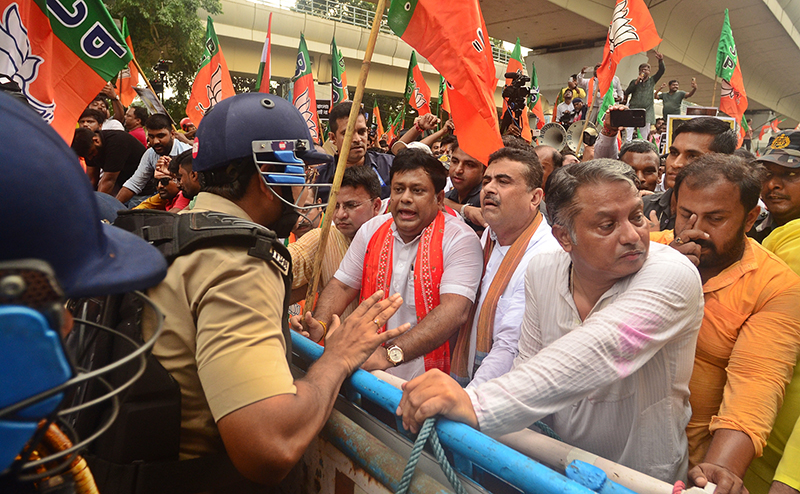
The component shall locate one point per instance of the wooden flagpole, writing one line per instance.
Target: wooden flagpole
(343, 152)
(714, 93)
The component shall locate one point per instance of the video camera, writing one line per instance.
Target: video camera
(516, 95)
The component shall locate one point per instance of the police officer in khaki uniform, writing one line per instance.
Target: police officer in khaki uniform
(223, 340)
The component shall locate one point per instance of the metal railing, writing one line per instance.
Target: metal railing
(354, 16)
(470, 448)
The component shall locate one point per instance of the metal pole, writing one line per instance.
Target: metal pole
(341, 165)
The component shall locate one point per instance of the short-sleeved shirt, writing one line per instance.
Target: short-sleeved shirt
(120, 152)
(463, 264)
(380, 162)
(222, 339)
(672, 103)
(142, 180)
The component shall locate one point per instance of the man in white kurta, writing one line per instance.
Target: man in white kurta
(608, 337)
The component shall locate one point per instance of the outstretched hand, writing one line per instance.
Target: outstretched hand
(358, 336)
(434, 393)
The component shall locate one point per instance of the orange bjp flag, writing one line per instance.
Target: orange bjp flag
(452, 36)
(129, 76)
(631, 31)
(212, 83)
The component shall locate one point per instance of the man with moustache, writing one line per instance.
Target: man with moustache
(644, 159)
(163, 146)
(466, 174)
(381, 163)
(601, 353)
(510, 199)
(750, 336)
(410, 251)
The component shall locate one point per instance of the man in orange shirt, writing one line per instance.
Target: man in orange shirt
(750, 336)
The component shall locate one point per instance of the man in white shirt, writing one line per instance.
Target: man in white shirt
(438, 287)
(510, 198)
(608, 336)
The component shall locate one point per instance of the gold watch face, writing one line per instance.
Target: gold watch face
(395, 354)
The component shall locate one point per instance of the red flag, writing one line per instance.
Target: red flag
(452, 36)
(631, 31)
(212, 83)
(129, 76)
(265, 67)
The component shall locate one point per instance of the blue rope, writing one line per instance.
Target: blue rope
(428, 432)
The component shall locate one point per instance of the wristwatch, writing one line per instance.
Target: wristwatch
(394, 354)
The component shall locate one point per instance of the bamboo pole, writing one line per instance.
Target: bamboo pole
(714, 93)
(343, 152)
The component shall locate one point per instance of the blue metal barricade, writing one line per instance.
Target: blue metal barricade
(471, 446)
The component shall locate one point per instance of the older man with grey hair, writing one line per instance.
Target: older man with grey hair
(608, 335)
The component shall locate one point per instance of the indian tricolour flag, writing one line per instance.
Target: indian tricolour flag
(61, 55)
(265, 67)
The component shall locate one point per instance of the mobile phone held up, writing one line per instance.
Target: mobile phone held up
(628, 118)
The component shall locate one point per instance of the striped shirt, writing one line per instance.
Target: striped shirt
(303, 252)
(616, 384)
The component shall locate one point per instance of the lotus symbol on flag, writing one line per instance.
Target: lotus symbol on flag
(729, 92)
(621, 31)
(213, 90)
(17, 61)
(419, 98)
(303, 104)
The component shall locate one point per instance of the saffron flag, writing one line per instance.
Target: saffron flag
(418, 94)
(303, 94)
(377, 113)
(212, 83)
(535, 99)
(265, 67)
(452, 36)
(60, 64)
(631, 31)
(338, 75)
(733, 100)
(129, 76)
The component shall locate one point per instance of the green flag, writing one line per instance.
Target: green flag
(608, 102)
(338, 77)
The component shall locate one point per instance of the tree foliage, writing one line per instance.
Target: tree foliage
(169, 30)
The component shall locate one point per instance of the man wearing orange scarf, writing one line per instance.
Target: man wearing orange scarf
(510, 198)
(432, 259)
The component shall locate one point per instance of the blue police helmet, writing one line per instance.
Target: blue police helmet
(50, 213)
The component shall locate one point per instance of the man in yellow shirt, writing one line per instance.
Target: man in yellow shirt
(776, 471)
(750, 336)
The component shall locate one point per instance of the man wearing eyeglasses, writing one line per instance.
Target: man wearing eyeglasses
(359, 201)
(168, 195)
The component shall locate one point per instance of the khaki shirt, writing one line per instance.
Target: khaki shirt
(222, 339)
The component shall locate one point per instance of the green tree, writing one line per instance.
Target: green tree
(169, 30)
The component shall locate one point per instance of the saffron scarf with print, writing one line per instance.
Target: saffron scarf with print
(485, 329)
(428, 268)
